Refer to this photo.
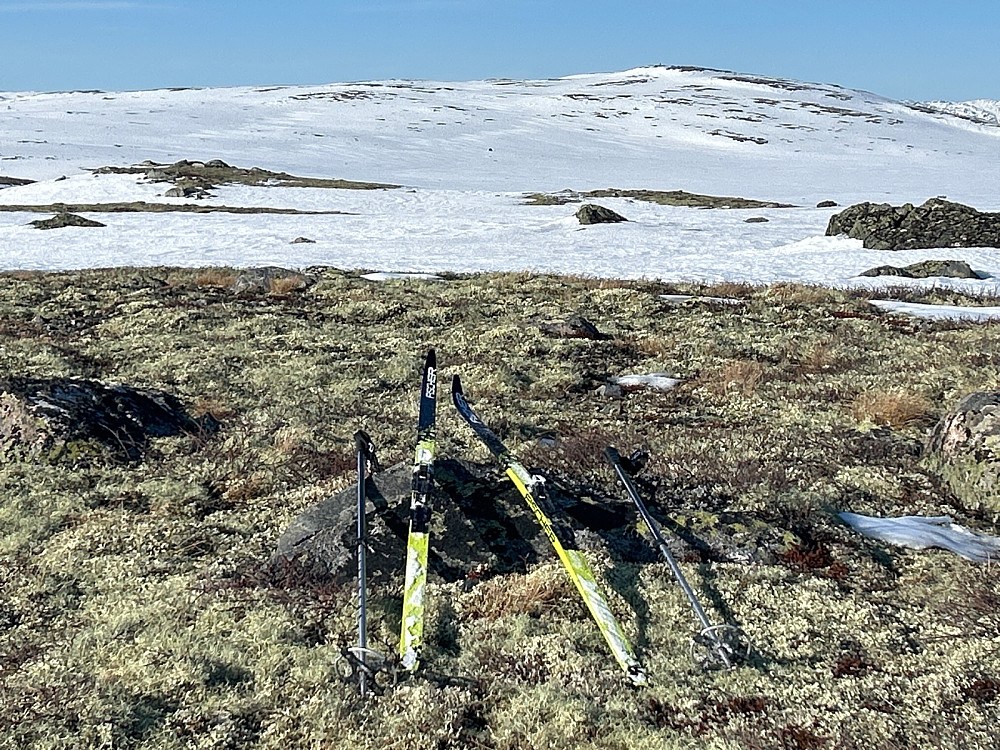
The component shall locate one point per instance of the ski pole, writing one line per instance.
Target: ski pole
(711, 633)
(366, 456)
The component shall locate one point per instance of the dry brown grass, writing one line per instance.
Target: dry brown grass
(22, 275)
(285, 285)
(530, 594)
(213, 406)
(893, 408)
(729, 289)
(799, 294)
(819, 358)
(656, 346)
(742, 377)
(216, 278)
(289, 440)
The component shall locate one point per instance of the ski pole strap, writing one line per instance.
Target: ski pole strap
(366, 447)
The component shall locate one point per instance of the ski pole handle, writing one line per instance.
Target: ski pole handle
(366, 447)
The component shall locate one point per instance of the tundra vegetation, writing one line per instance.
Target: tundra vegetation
(137, 609)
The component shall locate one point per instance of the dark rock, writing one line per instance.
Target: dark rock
(303, 240)
(482, 526)
(574, 327)
(965, 447)
(953, 269)
(826, 204)
(927, 269)
(936, 223)
(269, 279)
(65, 219)
(217, 164)
(61, 418)
(887, 271)
(187, 191)
(756, 220)
(591, 213)
(480, 523)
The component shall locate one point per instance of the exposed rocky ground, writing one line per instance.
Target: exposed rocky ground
(143, 607)
(197, 179)
(662, 197)
(935, 223)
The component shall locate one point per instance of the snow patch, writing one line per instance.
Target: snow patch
(658, 381)
(938, 312)
(391, 275)
(922, 532)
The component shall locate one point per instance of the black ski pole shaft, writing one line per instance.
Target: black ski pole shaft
(366, 454)
(615, 460)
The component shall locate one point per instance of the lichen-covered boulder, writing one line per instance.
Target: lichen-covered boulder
(55, 419)
(573, 327)
(927, 269)
(591, 213)
(965, 447)
(936, 223)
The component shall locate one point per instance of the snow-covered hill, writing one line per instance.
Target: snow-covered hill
(663, 128)
(465, 153)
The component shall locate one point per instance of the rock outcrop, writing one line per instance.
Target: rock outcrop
(927, 269)
(269, 279)
(482, 527)
(65, 219)
(572, 327)
(965, 447)
(591, 213)
(57, 419)
(936, 223)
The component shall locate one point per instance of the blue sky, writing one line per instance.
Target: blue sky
(906, 50)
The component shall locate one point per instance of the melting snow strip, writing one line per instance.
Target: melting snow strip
(938, 312)
(656, 380)
(387, 275)
(920, 532)
(677, 299)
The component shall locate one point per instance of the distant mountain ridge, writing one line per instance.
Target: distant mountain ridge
(980, 111)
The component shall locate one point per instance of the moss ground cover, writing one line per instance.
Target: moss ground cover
(136, 611)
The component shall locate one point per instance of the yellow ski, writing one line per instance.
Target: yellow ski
(572, 559)
(418, 543)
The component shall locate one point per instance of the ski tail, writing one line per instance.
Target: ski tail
(418, 541)
(573, 561)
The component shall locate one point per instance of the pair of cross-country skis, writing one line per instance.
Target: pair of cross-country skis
(722, 644)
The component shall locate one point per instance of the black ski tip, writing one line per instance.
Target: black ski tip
(431, 360)
(456, 387)
(614, 458)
